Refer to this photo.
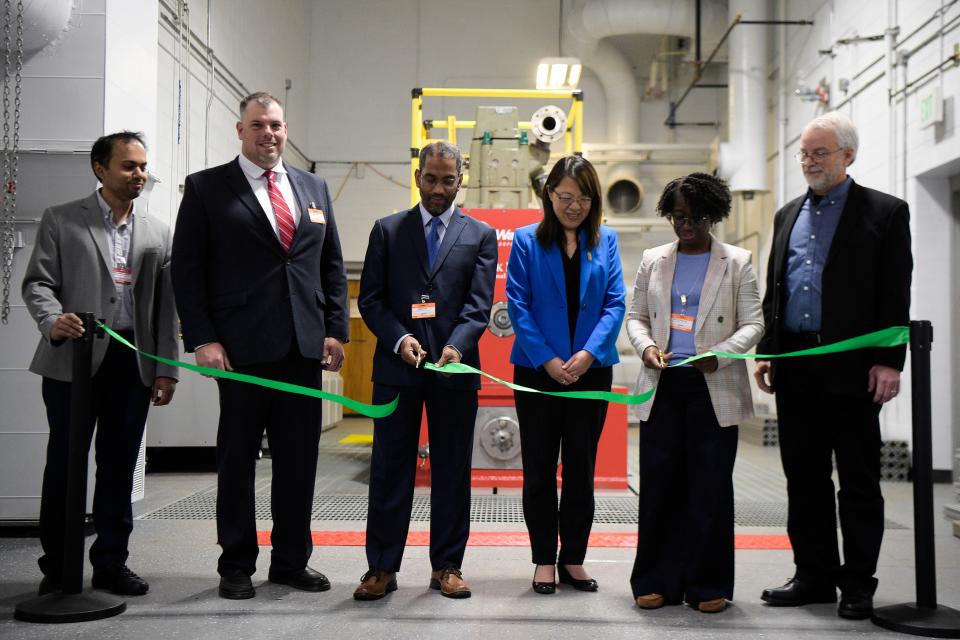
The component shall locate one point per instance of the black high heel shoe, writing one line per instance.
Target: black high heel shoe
(544, 588)
(580, 585)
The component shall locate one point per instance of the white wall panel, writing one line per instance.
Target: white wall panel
(922, 157)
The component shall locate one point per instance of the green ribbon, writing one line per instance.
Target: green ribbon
(890, 337)
(369, 410)
(609, 396)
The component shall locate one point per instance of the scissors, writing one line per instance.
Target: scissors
(420, 356)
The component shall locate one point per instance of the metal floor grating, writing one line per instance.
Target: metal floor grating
(483, 509)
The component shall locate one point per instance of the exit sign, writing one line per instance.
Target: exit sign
(931, 106)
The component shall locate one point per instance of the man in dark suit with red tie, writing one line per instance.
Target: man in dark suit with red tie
(260, 288)
(426, 293)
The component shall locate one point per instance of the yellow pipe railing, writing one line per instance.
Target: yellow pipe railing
(464, 124)
(499, 93)
(572, 137)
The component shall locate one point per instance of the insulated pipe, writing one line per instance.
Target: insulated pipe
(44, 21)
(891, 40)
(782, 108)
(743, 158)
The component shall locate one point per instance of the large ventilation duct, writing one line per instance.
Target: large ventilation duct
(743, 160)
(589, 24)
(43, 22)
(624, 190)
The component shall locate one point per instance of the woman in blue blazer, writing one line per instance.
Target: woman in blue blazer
(566, 296)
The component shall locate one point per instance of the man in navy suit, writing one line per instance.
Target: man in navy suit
(426, 293)
(260, 288)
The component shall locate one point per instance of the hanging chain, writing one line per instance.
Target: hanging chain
(11, 156)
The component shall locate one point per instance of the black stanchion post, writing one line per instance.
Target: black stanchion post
(81, 429)
(72, 604)
(923, 617)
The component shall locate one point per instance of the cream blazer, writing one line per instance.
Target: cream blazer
(729, 319)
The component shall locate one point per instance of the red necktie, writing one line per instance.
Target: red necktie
(285, 228)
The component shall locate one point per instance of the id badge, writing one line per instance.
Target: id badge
(423, 310)
(681, 322)
(316, 216)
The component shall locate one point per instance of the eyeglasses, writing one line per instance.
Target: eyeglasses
(816, 156)
(429, 181)
(566, 199)
(679, 221)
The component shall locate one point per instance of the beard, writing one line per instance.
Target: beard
(436, 206)
(822, 180)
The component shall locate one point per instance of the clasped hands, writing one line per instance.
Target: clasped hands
(570, 371)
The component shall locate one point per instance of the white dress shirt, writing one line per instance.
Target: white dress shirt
(258, 183)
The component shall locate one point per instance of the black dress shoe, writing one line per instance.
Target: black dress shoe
(305, 579)
(49, 584)
(236, 586)
(855, 606)
(580, 585)
(120, 580)
(545, 588)
(797, 592)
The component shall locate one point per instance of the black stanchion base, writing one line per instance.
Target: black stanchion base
(56, 608)
(942, 622)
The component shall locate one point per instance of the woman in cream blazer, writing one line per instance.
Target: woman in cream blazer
(693, 295)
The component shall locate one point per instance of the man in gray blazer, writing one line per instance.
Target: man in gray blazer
(106, 255)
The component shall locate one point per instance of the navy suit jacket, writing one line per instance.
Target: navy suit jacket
(866, 283)
(537, 298)
(395, 276)
(235, 285)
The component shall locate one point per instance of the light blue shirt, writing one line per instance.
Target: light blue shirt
(810, 241)
(119, 239)
(425, 218)
(687, 283)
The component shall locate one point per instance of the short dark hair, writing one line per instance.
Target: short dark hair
(262, 98)
(579, 169)
(442, 149)
(102, 149)
(704, 194)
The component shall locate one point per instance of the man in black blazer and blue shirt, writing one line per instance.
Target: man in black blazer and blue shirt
(260, 288)
(426, 293)
(840, 267)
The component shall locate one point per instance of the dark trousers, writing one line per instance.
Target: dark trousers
(120, 402)
(685, 533)
(568, 428)
(451, 414)
(292, 423)
(815, 424)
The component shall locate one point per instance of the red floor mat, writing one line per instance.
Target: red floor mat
(520, 539)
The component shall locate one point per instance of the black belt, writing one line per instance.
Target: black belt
(796, 341)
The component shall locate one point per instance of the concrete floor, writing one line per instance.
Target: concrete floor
(178, 558)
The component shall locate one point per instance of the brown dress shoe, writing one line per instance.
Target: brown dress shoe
(713, 606)
(375, 584)
(650, 601)
(450, 583)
